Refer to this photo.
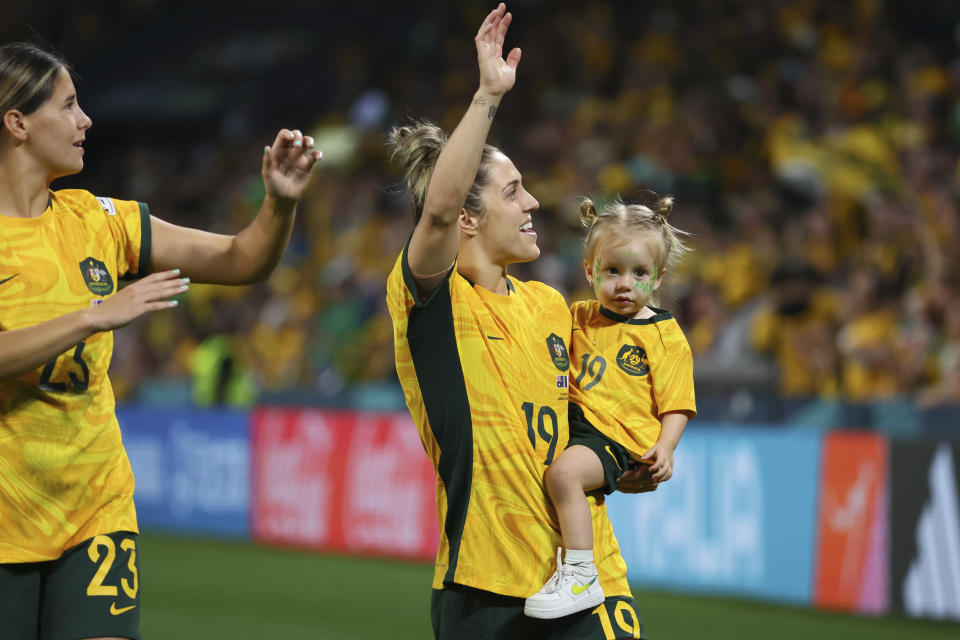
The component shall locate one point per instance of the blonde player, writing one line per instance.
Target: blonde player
(632, 388)
(69, 561)
(483, 361)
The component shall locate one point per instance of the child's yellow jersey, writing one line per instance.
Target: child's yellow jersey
(64, 475)
(486, 380)
(627, 373)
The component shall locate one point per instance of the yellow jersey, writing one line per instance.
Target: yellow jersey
(486, 381)
(64, 475)
(626, 373)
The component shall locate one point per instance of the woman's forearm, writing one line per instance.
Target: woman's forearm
(22, 350)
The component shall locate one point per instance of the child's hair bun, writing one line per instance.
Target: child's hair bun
(664, 206)
(588, 213)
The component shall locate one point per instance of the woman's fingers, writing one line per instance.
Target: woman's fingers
(513, 58)
(502, 25)
(492, 19)
(491, 25)
(157, 286)
(291, 148)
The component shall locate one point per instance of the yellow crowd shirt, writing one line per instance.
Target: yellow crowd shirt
(486, 381)
(626, 373)
(64, 475)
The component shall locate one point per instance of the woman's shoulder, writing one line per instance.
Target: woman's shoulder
(90, 207)
(541, 298)
(537, 289)
(83, 202)
(73, 198)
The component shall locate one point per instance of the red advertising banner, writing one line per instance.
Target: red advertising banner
(852, 553)
(342, 481)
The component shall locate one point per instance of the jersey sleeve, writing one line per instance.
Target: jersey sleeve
(129, 223)
(402, 293)
(672, 376)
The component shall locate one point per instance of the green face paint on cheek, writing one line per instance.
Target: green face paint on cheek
(647, 286)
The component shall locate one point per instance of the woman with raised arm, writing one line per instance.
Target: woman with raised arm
(69, 562)
(483, 361)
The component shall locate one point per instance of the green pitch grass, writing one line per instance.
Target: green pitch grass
(212, 589)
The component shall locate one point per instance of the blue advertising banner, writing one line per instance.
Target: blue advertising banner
(192, 469)
(738, 517)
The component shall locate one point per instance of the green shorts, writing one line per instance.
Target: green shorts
(464, 613)
(613, 456)
(92, 590)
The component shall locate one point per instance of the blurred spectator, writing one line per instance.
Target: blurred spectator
(810, 145)
(798, 327)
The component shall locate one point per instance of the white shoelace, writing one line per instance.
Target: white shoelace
(554, 582)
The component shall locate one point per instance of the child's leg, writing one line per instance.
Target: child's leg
(576, 470)
(576, 585)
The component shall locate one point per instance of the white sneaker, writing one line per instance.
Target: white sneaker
(566, 592)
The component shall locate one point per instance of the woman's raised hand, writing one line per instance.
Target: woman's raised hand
(287, 165)
(497, 74)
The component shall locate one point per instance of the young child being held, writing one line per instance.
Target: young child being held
(631, 391)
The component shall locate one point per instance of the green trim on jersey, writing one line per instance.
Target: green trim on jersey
(146, 246)
(146, 242)
(658, 316)
(436, 359)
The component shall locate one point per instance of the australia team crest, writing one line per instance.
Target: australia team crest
(633, 360)
(96, 276)
(558, 352)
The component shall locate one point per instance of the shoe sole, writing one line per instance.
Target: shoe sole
(579, 605)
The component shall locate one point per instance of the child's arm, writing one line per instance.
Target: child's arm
(660, 455)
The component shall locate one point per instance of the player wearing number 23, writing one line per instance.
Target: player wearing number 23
(68, 530)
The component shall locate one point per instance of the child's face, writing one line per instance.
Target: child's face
(625, 273)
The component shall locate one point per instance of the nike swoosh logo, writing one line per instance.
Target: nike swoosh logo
(114, 611)
(490, 337)
(10, 278)
(578, 589)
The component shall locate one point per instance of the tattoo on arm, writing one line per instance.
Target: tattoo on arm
(483, 101)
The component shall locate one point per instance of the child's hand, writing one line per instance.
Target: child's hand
(660, 459)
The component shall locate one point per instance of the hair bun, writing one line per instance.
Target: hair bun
(664, 206)
(588, 212)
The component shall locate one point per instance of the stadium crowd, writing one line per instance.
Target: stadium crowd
(811, 147)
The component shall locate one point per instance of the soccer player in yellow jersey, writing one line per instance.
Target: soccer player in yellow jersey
(631, 388)
(483, 361)
(69, 562)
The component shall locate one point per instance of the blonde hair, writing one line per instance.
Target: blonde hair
(415, 149)
(28, 76)
(634, 218)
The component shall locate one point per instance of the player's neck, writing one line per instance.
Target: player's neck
(478, 269)
(24, 193)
